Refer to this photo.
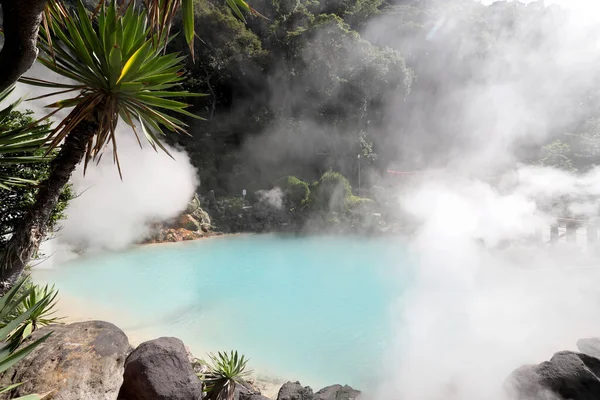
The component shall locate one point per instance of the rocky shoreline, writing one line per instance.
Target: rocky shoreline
(205, 219)
(95, 360)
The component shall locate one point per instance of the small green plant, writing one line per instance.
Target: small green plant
(43, 301)
(13, 316)
(225, 371)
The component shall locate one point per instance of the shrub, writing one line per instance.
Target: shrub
(225, 372)
(233, 203)
(355, 203)
(13, 315)
(331, 192)
(42, 301)
(295, 191)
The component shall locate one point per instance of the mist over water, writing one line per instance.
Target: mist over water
(476, 308)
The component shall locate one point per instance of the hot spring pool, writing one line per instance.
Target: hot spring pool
(314, 309)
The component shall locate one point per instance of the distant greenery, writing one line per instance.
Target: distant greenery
(225, 372)
(324, 86)
(296, 192)
(331, 192)
(232, 203)
(355, 203)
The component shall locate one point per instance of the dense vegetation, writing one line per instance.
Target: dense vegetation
(317, 83)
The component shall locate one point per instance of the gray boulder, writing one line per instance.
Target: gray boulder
(569, 375)
(337, 392)
(78, 361)
(295, 391)
(160, 370)
(590, 346)
(246, 392)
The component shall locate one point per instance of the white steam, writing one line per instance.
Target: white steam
(483, 300)
(110, 213)
(473, 313)
(271, 198)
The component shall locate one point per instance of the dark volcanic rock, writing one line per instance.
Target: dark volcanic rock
(572, 376)
(78, 361)
(253, 397)
(337, 392)
(247, 392)
(295, 391)
(160, 370)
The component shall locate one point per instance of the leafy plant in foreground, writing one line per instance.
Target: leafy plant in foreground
(226, 370)
(12, 319)
(43, 300)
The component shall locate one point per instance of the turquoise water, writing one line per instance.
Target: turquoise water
(315, 309)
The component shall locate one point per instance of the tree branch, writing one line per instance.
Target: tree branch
(21, 20)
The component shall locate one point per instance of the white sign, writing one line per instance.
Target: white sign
(244, 192)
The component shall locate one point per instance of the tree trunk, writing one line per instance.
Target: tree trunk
(30, 232)
(21, 21)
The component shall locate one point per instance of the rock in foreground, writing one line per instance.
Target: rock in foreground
(160, 370)
(295, 391)
(78, 361)
(568, 374)
(337, 392)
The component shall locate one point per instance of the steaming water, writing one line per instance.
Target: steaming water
(313, 309)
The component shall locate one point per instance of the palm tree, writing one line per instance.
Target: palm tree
(120, 71)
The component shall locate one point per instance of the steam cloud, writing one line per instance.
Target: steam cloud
(271, 198)
(109, 213)
(476, 310)
(484, 298)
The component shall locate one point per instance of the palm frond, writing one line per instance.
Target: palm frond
(119, 69)
(17, 144)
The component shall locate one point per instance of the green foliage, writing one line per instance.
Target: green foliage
(42, 300)
(355, 203)
(20, 143)
(354, 12)
(331, 192)
(366, 148)
(119, 70)
(226, 370)
(16, 201)
(12, 316)
(295, 191)
(228, 50)
(556, 155)
(232, 203)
